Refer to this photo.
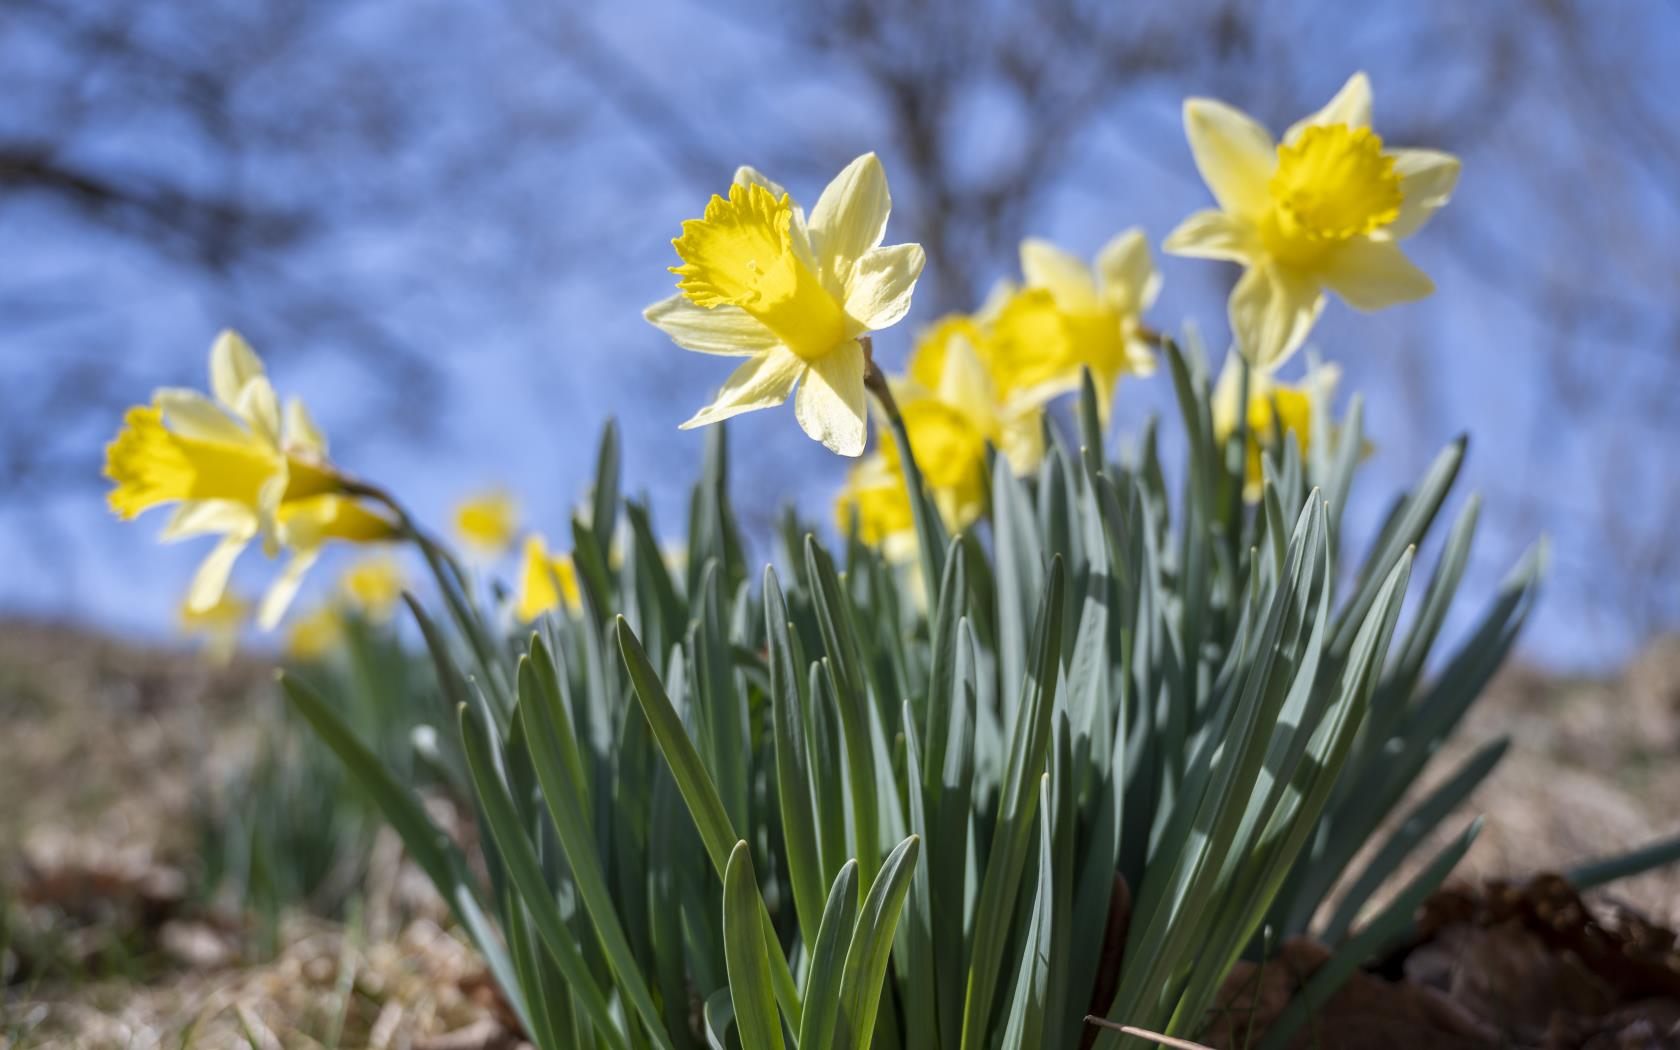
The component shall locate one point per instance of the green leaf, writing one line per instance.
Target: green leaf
(872, 940)
(1377, 934)
(1600, 872)
(428, 845)
(994, 914)
(603, 517)
(1424, 818)
(828, 961)
(700, 793)
(793, 770)
(526, 874)
(554, 755)
(749, 967)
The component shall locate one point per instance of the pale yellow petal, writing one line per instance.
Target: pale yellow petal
(851, 215)
(726, 330)
(1214, 235)
(747, 175)
(1130, 281)
(1001, 292)
(285, 587)
(1427, 180)
(209, 516)
(258, 406)
(1272, 309)
(301, 434)
(1370, 275)
(830, 404)
(1226, 402)
(209, 583)
(965, 385)
(1023, 442)
(232, 364)
(764, 381)
(191, 414)
(879, 289)
(1351, 106)
(1065, 276)
(1235, 155)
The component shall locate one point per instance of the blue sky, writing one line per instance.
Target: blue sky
(502, 218)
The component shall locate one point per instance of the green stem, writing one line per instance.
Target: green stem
(922, 511)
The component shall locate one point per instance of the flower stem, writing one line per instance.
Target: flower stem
(929, 527)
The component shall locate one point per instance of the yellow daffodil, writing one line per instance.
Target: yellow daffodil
(957, 363)
(235, 468)
(218, 626)
(874, 495)
(488, 521)
(1069, 315)
(1324, 209)
(538, 573)
(374, 585)
(316, 633)
(1273, 408)
(950, 449)
(792, 295)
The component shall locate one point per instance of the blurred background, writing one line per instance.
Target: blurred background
(439, 222)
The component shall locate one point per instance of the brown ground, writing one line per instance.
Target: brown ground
(106, 745)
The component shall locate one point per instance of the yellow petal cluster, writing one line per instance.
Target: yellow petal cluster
(488, 521)
(793, 295)
(1325, 209)
(964, 390)
(374, 585)
(315, 634)
(217, 627)
(545, 580)
(1068, 316)
(235, 466)
(1275, 411)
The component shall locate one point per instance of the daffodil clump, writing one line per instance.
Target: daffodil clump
(1042, 748)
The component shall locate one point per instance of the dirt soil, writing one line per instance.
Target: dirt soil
(108, 744)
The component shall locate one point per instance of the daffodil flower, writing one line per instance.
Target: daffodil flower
(218, 626)
(539, 572)
(1273, 409)
(957, 363)
(792, 295)
(1070, 316)
(236, 468)
(314, 634)
(875, 499)
(487, 521)
(1324, 209)
(374, 585)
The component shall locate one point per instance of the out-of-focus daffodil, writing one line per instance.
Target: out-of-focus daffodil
(874, 495)
(950, 451)
(1273, 408)
(539, 571)
(792, 295)
(218, 626)
(1324, 209)
(1069, 315)
(374, 585)
(236, 468)
(316, 633)
(488, 521)
(956, 363)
